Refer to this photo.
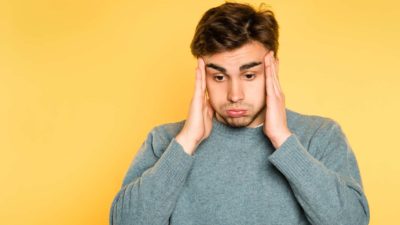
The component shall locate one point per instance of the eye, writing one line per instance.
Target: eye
(218, 77)
(250, 76)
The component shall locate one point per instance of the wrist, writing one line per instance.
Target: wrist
(187, 144)
(279, 140)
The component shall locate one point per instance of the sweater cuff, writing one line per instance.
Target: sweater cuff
(174, 163)
(293, 160)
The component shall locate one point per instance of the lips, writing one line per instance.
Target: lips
(236, 112)
(236, 109)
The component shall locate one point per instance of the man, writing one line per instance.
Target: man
(241, 157)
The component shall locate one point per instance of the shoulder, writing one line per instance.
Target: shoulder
(309, 123)
(169, 130)
(315, 132)
(161, 135)
(321, 135)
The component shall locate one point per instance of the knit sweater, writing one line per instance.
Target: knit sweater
(237, 177)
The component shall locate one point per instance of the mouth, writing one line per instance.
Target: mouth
(236, 112)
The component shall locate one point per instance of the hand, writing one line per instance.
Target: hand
(275, 125)
(198, 125)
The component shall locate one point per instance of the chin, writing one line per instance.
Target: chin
(243, 121)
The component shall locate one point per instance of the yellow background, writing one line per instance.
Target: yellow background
(82, 82)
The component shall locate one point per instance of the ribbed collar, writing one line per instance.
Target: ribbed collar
(224, 129)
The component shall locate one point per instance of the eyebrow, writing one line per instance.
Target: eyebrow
(241, 68)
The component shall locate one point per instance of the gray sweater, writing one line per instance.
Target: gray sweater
(237, 177)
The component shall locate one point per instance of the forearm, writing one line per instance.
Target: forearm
(150, 198)
(326, 196)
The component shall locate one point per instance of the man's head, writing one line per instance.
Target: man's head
(233, 40)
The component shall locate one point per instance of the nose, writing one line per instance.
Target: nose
(235, 92)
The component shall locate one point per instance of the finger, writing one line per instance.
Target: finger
(277, 77)
(197, 88)
(203, 74)
(196, 99)
(268, 81)
(206, 110)
(275, 81)
(271, 73)
(204, 104)
(277, 68)
(210, 108)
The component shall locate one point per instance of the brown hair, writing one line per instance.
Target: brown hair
(231, 25)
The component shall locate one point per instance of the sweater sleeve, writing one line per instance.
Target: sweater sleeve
(152, 184)
(329, 188)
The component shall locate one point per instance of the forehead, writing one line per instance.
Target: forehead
(253, 51)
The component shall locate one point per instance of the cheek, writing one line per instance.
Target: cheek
(214, 90)
(216, 95)
(256, 92)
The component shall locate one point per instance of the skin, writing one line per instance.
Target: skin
(221, 85)
(229, 87)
